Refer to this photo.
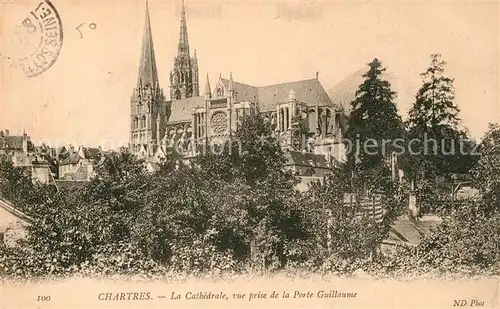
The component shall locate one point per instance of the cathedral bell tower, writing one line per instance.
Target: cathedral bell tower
(184, 76)
(147, 103)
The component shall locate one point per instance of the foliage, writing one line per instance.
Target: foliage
(112, 200)
(487, 171)
(434, 105)
(242, 195)
(443, 146)
(468, 237)
(374, 116)
(373, 122)
(238, 210)
(338, 226)
(17, 186)
(118, 258)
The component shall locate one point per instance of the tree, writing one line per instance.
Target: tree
(339, 226)
(487, 170)
(115, 196)
(17, 186)
(467, 238)
(374, 121)
(434, 122)
(434, 105)
(238, 200)
(253, 153)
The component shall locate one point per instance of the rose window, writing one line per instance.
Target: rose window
(219, 123)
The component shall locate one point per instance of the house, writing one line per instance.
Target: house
(307, 164)
(49, 155)
(12, 145)
(13, 224)
(79, 165)
(40, 170)
(16, 148)
(22, 153)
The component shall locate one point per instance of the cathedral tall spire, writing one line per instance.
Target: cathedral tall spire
(147, 103)
(183, 36)
(148, 74)
(184, 82)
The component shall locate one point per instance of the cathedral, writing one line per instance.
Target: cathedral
(304, 117)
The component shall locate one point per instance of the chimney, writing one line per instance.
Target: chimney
(7, 132)
(317, 74)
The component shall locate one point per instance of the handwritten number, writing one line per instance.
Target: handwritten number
(92, 26)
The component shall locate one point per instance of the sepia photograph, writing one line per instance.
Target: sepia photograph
(278, 154)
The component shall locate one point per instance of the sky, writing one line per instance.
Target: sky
(84, 97)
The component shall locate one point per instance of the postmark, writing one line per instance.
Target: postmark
(38, 39)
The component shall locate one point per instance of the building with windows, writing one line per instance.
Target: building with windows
(303, 115)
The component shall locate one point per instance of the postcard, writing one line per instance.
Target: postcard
(249, 154)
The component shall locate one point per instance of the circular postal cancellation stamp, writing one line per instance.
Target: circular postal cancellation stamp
(36, 38)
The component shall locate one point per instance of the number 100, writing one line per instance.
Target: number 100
(43, 298)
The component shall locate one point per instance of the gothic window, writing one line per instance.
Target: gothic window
(321, 121)
(329, 119)
(219, 123)
(219, 92)
(143, 122)
(313, 120)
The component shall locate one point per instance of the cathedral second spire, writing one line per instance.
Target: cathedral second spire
(183, 35)
(148, 75)
(184, 75)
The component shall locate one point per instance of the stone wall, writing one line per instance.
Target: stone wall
(12, 225)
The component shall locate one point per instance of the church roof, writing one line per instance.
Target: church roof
(15, 142)
(12, 142)
(92, 153)
(72, 159)
(148, 74)
(309, 91)
(182, 109)
(243, 92)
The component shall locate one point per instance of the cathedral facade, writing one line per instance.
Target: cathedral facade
(304, 117)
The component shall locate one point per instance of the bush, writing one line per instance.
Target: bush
(202, 257)
(468, 237)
